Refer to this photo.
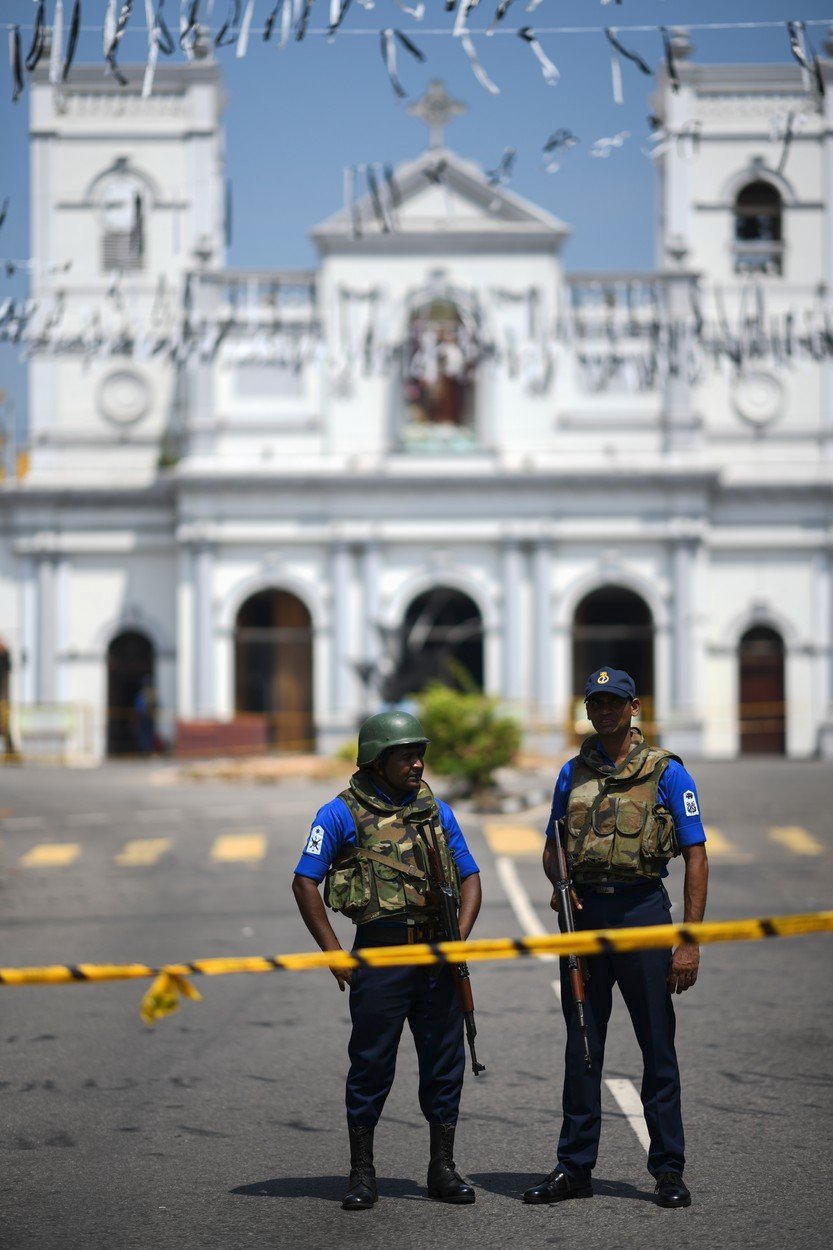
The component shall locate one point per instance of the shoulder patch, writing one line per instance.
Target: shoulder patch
(690, 803)
(315, 841)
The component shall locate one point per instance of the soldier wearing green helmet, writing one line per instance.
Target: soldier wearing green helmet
(363, 846)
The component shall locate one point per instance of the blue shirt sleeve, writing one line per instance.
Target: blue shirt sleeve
(330, 832)
(678, 793)
(560, 796)
(461, 854)
(333, 829)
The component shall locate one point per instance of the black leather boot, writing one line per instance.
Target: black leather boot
(361, 1192)
(444, 1181)
(557, 1187)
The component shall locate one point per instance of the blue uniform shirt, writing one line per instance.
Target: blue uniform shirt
(333, 830)
(676, 791)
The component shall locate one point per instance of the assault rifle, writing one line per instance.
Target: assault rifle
(568, 925)
(450, 931)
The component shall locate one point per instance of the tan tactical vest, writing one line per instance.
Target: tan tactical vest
(386, 873)
(615, 824)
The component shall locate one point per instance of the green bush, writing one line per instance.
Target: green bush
(469, 737)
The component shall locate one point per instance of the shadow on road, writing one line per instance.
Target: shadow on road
(513, 1184)
(330, 1188)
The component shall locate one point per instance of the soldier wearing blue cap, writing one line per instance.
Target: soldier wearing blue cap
(625, 808)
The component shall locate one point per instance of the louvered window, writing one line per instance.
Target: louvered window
(121, 249)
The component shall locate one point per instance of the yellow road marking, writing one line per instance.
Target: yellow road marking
(142, 852)
(718, 846)
(513, 839)
(237, 847)
(796, 839)
(51, 855)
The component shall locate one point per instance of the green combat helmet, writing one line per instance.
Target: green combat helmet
(387, 729)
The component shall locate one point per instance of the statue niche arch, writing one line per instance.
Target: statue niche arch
(439, 361)
(273, 666)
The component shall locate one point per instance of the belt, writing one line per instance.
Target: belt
(616, 885)
(396, 933)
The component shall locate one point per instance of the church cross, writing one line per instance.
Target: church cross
(436, 109)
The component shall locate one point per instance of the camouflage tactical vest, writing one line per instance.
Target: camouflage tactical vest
(386, 873)
(615, 825)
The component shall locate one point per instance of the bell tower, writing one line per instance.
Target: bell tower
(127, 198)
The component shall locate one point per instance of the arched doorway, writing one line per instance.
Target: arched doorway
(441, 638)
(130, 674)
(273, 666)
(761, 687)
(614, 626)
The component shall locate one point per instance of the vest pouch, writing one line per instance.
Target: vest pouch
(347, 888)
(390, 883)
(660, 840)
(594, 849)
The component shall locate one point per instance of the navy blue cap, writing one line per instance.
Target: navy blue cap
(610, 681)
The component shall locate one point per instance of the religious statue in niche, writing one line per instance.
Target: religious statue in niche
(439, 360)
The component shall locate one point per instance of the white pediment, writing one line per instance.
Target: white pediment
(438, 193)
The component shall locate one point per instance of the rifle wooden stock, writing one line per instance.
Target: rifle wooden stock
(450, 932)
(568, 925)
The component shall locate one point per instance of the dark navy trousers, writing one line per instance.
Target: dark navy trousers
(641, 977)
(381, 1000)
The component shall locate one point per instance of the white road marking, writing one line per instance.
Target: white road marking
(627, 1096)
(520, 902)
(23, 822)
(623, 1091)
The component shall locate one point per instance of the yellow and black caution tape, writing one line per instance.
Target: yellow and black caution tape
(171, 981)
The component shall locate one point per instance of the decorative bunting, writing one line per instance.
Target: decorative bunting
(501, 175)
(153, 50)
(810, 68)
(303, 19)
(338, 12)
(110, 58)
(164, 38)
(72, 41)
(618, 49)
(549, 70)
(500, 14)
(479, 72)
(16, 60)
(245, 27)
(4, 211)
(38, 43)
(189, 15)
(227, 34)
(388, 47)
(603, 147)
(670, 64)
(560, 140)
(376, 200)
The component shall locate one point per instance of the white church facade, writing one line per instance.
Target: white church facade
(280, 498)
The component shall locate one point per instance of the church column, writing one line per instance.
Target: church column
(45, 667)
(203, 630)
(513, 655)
(341, 672)
(542, 682)
(28, 632)
(371, 570)
(823, 581)
(682, 726)
(827, 199)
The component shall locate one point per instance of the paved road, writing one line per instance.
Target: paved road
(223, 1127)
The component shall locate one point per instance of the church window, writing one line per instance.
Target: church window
(122, 203)
(758, 244)
(438, 367)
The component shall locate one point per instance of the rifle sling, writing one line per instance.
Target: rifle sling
(362, 852)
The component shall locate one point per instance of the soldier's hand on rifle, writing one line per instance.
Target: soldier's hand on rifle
(574, 899)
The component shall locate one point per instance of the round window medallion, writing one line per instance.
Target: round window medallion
(758, 396)
(124, 397)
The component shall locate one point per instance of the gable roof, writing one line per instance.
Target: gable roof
(440, 197)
